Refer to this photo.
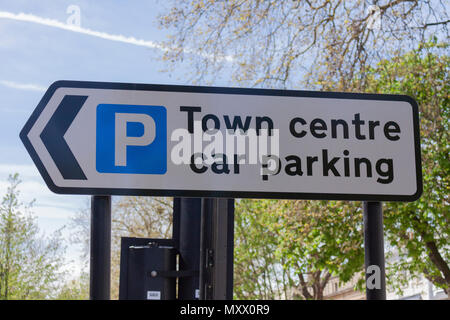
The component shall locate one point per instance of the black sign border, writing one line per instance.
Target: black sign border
(223, 194)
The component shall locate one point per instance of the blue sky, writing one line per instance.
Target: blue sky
(35, 51)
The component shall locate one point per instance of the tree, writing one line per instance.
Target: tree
(287, 42)
(142, 217)
(420, 230)
(291, 249)
(29, 263)
(258, 271)
(75, 289)
(337, 45)
(320, 239)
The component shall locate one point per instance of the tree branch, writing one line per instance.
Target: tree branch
(433, 252)
(304, 287)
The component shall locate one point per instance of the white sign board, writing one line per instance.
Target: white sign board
(137, 139)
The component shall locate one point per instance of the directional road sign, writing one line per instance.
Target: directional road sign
(139, 139)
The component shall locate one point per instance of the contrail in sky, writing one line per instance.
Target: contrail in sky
(22, 86)
(25, 17)
(57, 24)
(60, 25)
(103, 35)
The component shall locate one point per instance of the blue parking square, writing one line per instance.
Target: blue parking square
(131, 139)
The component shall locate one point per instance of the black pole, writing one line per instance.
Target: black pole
(176, 222)
(374, 251)
(216, 249)
(189, 246)
(230, 250)
(205, 235)
(100, 259)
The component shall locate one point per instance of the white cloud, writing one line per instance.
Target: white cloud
(22, 86)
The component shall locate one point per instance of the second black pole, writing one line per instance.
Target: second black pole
(374, 251)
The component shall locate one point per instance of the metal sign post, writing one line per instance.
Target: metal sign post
(216, 249)
(100, 258)
(374, 251)
(189, 245)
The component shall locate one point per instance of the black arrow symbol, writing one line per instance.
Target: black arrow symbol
(53, 137)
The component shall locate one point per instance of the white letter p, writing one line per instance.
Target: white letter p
(122, 140)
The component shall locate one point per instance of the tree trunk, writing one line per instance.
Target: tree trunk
(435, 257)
